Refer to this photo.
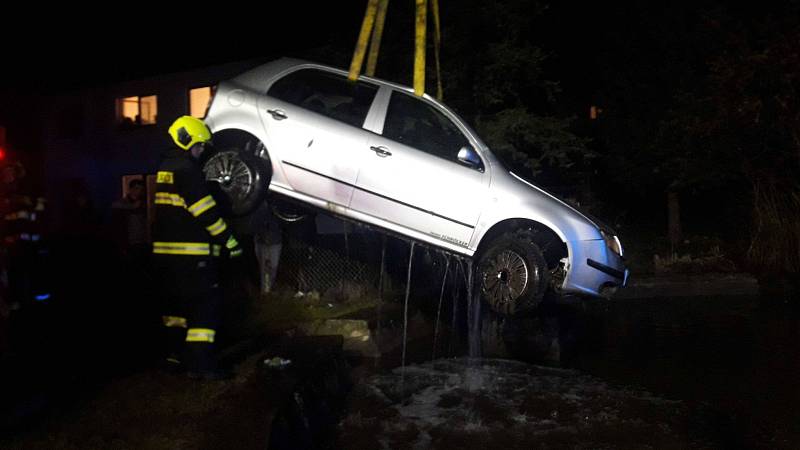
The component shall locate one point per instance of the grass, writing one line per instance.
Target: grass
(281, 310)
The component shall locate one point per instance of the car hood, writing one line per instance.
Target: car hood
(554, 197)
(520, 185)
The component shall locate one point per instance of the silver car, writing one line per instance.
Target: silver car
(373, 152)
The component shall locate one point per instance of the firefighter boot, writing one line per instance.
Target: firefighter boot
(201, 362)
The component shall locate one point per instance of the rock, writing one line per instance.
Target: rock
(357, 336)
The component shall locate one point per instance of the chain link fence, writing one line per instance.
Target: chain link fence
(320, 262)
(350, 261)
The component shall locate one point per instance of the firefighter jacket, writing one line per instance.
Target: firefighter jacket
(20, 217)
(188, 221)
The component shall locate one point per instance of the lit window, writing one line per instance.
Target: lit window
(199, 100)
(148, 108)
(129, 109)
(138, 110)
(595, 112)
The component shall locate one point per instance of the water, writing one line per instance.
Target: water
(454, 322)
(379, 311)
(405, 308)
(473, 314)
(439, 309)
(455, 403)
(736, 357)
(735, 360)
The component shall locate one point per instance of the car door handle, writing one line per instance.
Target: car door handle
(277, 114)
(381, 151)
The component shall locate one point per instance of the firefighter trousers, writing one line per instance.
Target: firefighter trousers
(190, 298)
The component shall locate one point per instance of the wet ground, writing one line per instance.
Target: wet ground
(738, 355)
(490, 403)
(689, 372)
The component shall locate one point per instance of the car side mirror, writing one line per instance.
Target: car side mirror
(469, 156)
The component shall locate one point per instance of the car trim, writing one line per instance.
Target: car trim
(605, 269)
(379, 195)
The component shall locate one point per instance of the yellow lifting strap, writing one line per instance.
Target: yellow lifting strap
(419, 48)
(372, 32)
(363, 37)
(437, 43)
(375, 41)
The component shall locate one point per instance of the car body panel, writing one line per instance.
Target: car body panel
(421, 191)
(317, 152)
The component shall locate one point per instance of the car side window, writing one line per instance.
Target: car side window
(417, 124)
(326, 93)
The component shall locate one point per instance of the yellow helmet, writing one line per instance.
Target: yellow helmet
(188, 130)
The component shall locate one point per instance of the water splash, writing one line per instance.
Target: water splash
(473, 314)
(473, 376)
(439, 310)
(456, 288)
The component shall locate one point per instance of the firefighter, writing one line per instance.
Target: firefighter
(188, 233)
(21, 251)
(21, 233)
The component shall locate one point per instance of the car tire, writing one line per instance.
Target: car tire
(512, 273)
(238, 178)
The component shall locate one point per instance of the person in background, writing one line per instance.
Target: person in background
(129, 216)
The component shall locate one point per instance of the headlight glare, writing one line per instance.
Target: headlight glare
(612, 242)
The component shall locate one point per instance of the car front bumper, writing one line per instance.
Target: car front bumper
(594, 269)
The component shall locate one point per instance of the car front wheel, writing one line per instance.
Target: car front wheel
(513, 273)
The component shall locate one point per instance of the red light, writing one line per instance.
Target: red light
(2, 154)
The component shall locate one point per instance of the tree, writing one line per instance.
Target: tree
(755, 83)
(718, 106)
(494, 75)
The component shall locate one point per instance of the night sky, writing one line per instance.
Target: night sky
(68, 52)
(70, 49)
(56, 54)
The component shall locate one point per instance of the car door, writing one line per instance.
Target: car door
(315, 118)
(412, 176)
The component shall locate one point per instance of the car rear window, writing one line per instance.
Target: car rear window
(326, 93)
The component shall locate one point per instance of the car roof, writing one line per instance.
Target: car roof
(254, 78)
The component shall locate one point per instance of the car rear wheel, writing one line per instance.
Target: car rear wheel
(513, 273)
(288, 212)
(239, 178)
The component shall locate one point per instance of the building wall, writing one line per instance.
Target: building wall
(86, 149)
